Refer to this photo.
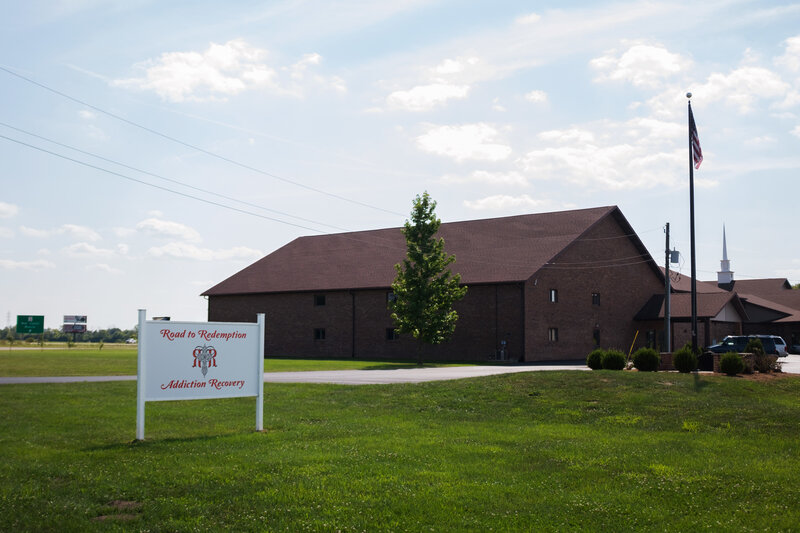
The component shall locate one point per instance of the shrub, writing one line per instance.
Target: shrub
(755, 347)
(595, 359)
(614, 360)
(766, 363)
(646, 360)
(731, 363)
(684, 360)
(761, 362)
(747, 359)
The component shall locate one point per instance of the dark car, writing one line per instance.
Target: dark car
(738, 343)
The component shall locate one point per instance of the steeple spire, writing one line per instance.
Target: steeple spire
(724, 276)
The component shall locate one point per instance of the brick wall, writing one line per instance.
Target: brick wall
(487, 315)
(355, 322)
(622, 291)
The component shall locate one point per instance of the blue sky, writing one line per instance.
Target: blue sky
(192, 138)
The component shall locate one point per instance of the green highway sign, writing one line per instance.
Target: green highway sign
(30, 324)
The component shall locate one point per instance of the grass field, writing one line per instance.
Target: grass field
(542, 451)
(120, 360)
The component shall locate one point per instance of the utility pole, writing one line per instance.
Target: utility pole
(667, 291)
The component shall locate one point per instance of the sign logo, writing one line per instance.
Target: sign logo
(204, 357)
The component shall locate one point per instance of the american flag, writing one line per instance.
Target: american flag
(697, 153)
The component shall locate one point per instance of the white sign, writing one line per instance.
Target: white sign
(199, 360)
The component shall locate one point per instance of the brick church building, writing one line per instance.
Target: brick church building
(542, 287)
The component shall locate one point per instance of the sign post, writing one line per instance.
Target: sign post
(199, 360)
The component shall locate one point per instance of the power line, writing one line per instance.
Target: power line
(374, 242)
(596, 261)
(173, 191)
(556, 267)
(195, 147)
(169, 179)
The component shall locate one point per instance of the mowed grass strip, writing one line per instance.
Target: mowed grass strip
(543, 451)
(121, 361)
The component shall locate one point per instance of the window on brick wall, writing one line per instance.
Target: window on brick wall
(319, 299)
(319, 334)
(552, 334)
(391, 334)
(595, 298)
(553, 295)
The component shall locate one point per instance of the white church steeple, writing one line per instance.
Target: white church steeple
(724, 276)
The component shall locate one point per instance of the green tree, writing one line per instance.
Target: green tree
(425, 289)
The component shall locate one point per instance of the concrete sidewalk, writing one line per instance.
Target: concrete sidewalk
(343, 377)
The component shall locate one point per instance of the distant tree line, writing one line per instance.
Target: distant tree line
(110, 335)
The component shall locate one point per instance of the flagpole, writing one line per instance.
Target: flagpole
(691, 228)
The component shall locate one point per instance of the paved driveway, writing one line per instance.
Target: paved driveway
(344, 377)
(790, 363)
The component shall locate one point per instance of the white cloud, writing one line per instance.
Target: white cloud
(39, 264)
(497, 106)
(221, 70)
(643, 65)
(637, 154)
(796, 131)
(426, 97)
(73, 230)
(123, 232)
(301, 77)
(6, 233)
(8, 210)
(123, 249)
(103, 267)
(166, 228)
(537, 97)
(490, 178)
(791, 58)
(451, 67)
(225, 70)
(80, 232)
(531, 18)
(743, 87)
(182, 250)
(501, 202)
(467, 141)
(35, 233)
(84, 249)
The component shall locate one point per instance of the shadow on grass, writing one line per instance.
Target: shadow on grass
(699, 384)
(152, 441)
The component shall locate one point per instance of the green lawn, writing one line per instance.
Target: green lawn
(543, 451)
(115, 360)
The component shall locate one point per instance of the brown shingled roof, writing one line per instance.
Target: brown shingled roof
(508, 249)
(683, 283)
(777, 290)
(792, 314)
(709, 305)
